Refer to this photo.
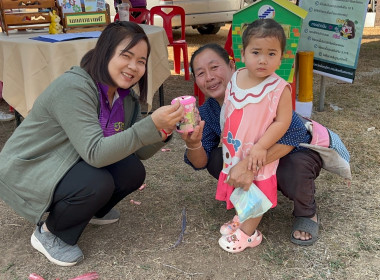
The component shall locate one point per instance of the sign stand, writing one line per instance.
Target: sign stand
(322, 94)
(85, 21)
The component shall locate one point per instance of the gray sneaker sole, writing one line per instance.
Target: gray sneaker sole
(38, 246)
(101, 222)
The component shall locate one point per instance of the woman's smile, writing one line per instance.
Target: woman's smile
(126, 67)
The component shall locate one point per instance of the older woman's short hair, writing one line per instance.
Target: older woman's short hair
(211, 46)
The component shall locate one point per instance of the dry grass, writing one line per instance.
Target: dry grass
(138, 246)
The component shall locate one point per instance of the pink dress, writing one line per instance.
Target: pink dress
(247, 114)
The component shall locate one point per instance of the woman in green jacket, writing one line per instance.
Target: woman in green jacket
(79, 151)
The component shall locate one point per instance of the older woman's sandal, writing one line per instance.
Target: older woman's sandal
(238, 241)
(305, 225)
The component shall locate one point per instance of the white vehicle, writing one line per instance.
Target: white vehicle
(207, 16)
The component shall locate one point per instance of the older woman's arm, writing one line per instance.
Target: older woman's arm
(195, 152)
(197, 157)
(206, 136)
(277, 151)
(240, 176)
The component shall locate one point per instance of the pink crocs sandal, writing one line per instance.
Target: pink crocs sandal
(231, 226)
(238, 241)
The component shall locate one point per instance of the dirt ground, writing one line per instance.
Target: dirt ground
(139, 246)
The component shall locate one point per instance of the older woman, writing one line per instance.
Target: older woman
(78, 153)
(298, 167)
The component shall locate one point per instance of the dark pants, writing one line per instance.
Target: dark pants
(86, 191)
(215, 162)
(296, 176)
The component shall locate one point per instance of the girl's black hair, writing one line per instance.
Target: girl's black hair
(263, 28)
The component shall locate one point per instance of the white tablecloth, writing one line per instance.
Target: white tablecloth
(28, 66)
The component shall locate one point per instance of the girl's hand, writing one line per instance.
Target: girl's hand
(167, 116)
(193, 139)
(257, 157)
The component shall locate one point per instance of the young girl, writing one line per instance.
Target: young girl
(257, 112)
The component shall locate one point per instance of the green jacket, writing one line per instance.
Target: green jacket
(61, 128)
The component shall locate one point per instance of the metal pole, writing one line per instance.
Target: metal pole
(322, 94)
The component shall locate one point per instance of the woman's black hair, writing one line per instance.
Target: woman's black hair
(351, 24)
(214, 47)
(263, 28)
(96, 61)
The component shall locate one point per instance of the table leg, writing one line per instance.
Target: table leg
(18, 118)
(161, 99)
(161, 95)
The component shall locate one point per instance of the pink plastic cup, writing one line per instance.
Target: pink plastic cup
(190, 119)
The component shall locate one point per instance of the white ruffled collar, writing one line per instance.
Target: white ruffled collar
(241, 97)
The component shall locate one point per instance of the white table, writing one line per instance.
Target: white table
(28, 66)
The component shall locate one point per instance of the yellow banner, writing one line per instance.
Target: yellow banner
(85, 19)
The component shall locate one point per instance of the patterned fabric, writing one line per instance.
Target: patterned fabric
(296, 134)
(335, 156)
(337, 144)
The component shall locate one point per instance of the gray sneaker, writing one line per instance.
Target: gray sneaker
(111, 217)
(5, 117)
(56, 250)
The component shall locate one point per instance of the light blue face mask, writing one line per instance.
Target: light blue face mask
(250, 204)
